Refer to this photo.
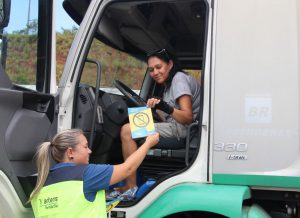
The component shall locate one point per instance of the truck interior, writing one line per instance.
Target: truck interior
(133, 29)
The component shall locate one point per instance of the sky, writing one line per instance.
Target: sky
(19, 10)
(62, 18)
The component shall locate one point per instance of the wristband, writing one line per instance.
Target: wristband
(164, 106)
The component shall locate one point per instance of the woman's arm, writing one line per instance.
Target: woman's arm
(184, 115)
(122, 171)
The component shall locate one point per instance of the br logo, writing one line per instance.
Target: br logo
(141, 119)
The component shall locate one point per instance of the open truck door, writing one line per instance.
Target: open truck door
(27, 109)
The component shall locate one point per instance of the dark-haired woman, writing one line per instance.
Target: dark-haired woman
(179, 104)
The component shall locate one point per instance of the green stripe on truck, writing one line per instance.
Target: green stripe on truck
(257, 180)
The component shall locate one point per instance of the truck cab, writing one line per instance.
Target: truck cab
(241, 155)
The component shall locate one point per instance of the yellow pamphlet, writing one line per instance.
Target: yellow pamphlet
(141, 122)
(111, 204)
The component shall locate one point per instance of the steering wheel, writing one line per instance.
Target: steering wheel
(134, 98)
(131, 96)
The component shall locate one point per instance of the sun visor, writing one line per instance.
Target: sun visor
(109, 31)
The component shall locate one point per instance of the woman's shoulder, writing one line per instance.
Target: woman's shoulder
(180, 75)
(99, 167)
(184, 79)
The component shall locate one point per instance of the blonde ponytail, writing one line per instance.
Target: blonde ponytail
(57, 149)
(43, 167)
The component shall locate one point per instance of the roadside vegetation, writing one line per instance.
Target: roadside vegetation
(19, 59)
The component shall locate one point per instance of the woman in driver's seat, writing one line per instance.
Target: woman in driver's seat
(180, 104)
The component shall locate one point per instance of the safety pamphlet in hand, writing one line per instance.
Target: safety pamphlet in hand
(111, 204)
(141, 122)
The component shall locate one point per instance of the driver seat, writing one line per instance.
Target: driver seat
(180, 149)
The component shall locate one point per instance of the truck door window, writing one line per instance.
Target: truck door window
(24, 43)
(19, 43)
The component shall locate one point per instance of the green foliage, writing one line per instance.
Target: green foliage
(114, 65)
(22, 58)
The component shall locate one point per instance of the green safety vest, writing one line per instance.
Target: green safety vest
(66, 199)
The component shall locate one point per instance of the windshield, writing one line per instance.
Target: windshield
(115, 65)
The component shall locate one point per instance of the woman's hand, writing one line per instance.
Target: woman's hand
(152, 102)
(160, 104)
(152, 139)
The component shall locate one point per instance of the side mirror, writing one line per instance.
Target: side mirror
(4, 13)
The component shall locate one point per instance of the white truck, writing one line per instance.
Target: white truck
(241, 158)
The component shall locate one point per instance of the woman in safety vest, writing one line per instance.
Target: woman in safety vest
(73, 187)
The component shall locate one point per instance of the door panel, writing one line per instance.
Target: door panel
(25, 131)
(27, 119)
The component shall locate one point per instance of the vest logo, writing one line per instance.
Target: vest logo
(48, 202)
